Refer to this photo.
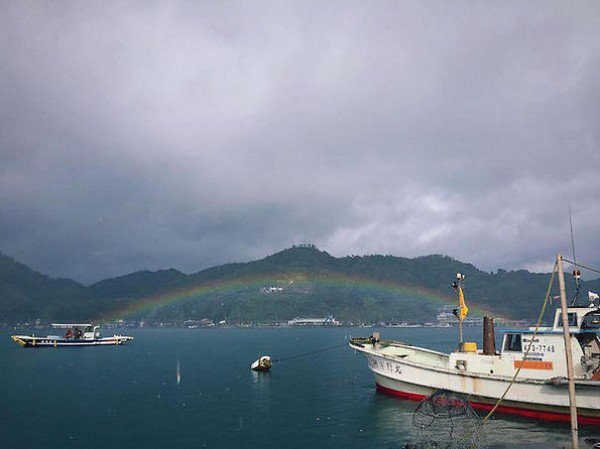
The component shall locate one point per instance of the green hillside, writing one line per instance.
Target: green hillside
(26, 294)
(299, 281)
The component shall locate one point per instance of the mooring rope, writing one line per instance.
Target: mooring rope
(309, 353)
(537, 326)
(535, 331)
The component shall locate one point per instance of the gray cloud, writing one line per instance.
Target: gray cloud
(147, 135)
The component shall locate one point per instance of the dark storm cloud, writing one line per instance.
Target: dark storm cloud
(147, 135)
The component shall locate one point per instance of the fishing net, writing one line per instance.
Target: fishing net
(446, 420)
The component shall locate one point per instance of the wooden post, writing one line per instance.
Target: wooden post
(568, 353)
(489, 338)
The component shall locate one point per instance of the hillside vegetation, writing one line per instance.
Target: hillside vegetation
(299, 281)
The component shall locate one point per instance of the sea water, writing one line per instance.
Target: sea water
(134, 396)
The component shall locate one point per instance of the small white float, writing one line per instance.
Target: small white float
(263, 363)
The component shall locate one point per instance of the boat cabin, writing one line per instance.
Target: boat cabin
(84, 331)
(546, 358)
(579, 318)
(548, 347)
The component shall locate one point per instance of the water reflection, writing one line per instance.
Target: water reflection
(260, 379)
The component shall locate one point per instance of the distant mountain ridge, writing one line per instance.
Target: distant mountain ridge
(308, 282)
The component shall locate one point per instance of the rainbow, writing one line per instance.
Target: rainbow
(141, 305)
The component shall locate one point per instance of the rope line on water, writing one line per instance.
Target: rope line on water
(310, 353)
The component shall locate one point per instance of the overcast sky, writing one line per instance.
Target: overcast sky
(148, 135)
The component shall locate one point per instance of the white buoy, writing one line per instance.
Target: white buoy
(263, 363)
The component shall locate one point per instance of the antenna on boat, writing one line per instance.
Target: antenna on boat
(576, 272)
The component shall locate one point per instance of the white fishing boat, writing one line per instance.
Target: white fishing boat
(540, 389)
(77, 334)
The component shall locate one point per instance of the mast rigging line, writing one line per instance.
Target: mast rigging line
(537, 327)
(304, 354)
(580, 265)
(576, 275)
(572, 238)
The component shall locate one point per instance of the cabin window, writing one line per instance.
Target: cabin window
(571, 318)
(591, 321)
(512, 342)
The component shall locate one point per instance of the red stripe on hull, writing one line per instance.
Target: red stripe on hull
(524, 412)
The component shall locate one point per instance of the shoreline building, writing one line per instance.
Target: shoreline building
(447, 318)
(327, 321)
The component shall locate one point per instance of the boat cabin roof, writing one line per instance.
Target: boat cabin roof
(547, 330)
(582, 318)
(69, 325)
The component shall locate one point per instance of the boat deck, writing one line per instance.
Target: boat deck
(410, 354)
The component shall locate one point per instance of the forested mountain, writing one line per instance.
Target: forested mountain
(25, 293)
(299, 281)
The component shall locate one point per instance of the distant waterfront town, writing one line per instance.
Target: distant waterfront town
(445, 318)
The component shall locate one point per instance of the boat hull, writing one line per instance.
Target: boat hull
(28, 341)
(413, 392)
(531, 398)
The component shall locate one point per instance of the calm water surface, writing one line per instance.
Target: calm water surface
(128, 396)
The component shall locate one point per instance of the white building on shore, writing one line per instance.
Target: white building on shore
(327, 321)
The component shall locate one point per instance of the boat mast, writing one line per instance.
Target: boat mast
(458, 286)
(460, 335)
(568, 353)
